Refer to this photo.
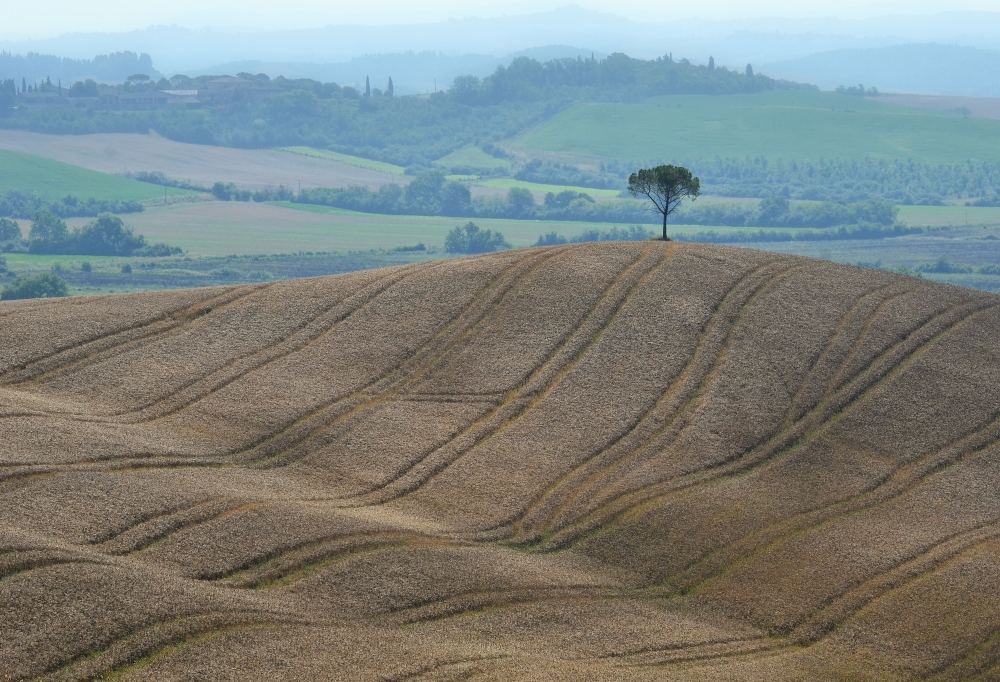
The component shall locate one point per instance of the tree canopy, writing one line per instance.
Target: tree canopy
(666, 187)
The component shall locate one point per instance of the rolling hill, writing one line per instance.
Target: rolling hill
(621, 461)
(799, 126)
(54, 180)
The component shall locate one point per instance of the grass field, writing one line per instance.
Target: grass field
(222, 228)
(779, 125)
(629, 462)
(345, 158)
(54, 180)
(935, 216)
(474, 157)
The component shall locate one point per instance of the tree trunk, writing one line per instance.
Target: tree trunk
(665, 237)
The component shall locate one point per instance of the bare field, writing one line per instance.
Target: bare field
(618, 461)
(200, 164)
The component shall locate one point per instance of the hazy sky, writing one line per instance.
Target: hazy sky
(46, 18)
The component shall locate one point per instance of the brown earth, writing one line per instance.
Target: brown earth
(200, 164)
(624, 461)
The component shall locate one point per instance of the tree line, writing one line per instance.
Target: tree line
(407, 131)
(17, 204)
(107, 235)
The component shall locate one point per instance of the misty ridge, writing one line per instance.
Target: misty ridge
(956, 53)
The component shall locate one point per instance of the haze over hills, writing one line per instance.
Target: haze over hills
(930, 68)
(178, 49)
(624, 461)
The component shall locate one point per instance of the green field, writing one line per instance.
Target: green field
(936, 216)
(804, 126)
(473, 157)
(345, 158)
(218, 228)
(54, 180)
(507, 183)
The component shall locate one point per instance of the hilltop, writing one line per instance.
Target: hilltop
(621, 461)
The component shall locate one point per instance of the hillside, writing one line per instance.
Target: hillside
(621, 461)
(799, 126)
(53, 180)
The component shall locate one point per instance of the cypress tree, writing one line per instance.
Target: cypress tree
(711, 63)
(388, 90)
(368, 88)
(749, 70)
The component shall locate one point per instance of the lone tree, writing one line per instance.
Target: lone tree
(665, 186)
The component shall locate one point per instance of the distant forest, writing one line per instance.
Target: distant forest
(407, 131)
(109, 68)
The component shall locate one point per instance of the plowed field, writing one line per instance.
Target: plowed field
(617, 461)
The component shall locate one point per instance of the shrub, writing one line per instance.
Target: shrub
(48, 233)
(943, 266)
(471, 239)
(551, 238)
(85, 266)
(127, 269)
(990, 270)
(34, 286)
(9, 230)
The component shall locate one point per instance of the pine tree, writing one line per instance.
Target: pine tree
(368, 88)
(388, 90)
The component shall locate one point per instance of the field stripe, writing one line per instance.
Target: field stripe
(286, 564)
(538, 385)
(145, 644)
(92, 349)
(157, 527)
(890, 487)
(711, 343)
(818, 420)
(842, 607)
(272, 449)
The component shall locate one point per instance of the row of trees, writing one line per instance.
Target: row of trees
(17, 204)
(107, 235)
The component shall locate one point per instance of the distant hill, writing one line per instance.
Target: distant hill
(412, 73)
(623, 461)
(104, 68)
(926, 68)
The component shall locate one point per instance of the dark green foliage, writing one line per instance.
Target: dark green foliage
(87, 88)
(18, 204)
(85, 266)
(546, 172)
(158, 178)
(230, 192)
(863, 231)
(990, 270)
(778, 212)
(944, 267)
(127, 269)
(551, 239)
(34, 286)
(3, 265)
(858, 91)
(470, 239)
(665, 187)
(631, 233)
(9, 230)
(48, 233)
(105, 236)
(902, 182)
